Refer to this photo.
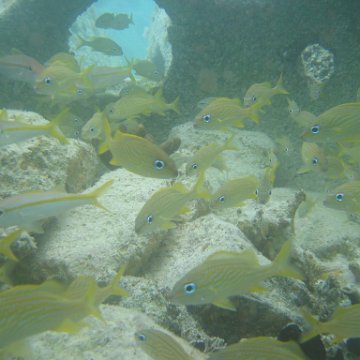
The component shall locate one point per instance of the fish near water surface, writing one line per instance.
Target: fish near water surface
(225, 274)
(164, 205)
(103, 45)
(137, 154)
(345, 197)
(261, 93)
(223, 113)
(234, 192)
(14, 132)
(260, 348)
(114, 21)
(160, 346)
(148, 69)
(31, 309)
(207, 155)
(29, 210)
(339, 124)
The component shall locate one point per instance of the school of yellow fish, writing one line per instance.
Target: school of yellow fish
(331, 146)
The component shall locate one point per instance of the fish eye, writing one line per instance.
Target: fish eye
(339, 197)
(79, 91)
(207, 118)
(221, 198)
(159, 164)
(257, 192)
(47, 80)
(141, 337)
(149, 219)
(190, 288)
(315, 160)
(269, 192)
(253, 98)
(315, 129)
(194, 166)
(92, 129)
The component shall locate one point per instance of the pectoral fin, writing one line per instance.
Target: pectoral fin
(224, 303)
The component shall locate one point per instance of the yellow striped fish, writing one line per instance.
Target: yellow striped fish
(134, 105)
(261, 93)
(264, 348)
(15, 132)
(345, 197)
(313, 158)
(207, 155)
(234, 192)
(164, 205)
(339, 124)
(29, 210)
(137, 154)
(344, 323)
(27, 310)
(160, 346)
(224, 274)
(222, 113)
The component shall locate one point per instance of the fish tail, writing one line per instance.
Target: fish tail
(90, 300)
(53, 126)
(279, 86)
(314, 327)
(282, 265)
(196, 189)
(175, 105)
(253, 113)
(94, 195)
(104, 147)
(82, 42)
(229, 144)
(5, 245)
(113, 287)
(131, 19)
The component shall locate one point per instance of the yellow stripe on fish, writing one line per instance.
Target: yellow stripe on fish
(224, 274)
(164, 205)
(344, 323)
(223, 113)
(207, 155)
(134, 105)
(338, 124)
(345, 197)
(234, 192)
(138, 155)
(261, 93)
(27, 310)
(264, 348)
(160, 346)
(313, 158)
(29, 210)
(15, 132)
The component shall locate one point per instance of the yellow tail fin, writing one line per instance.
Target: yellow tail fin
(282, 265)
(53, 126)
(104, 147)
(94, 195)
